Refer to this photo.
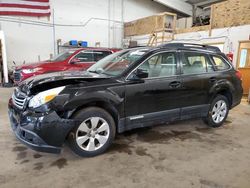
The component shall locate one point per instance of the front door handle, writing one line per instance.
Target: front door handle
(175, 84)
(212, 79)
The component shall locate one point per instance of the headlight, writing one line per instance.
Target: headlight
(44, 97)
(29, 71)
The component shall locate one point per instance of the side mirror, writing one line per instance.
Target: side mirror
(75, 60)
(139, 74)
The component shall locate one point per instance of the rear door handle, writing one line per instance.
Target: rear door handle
(175, 84)
(212, 79)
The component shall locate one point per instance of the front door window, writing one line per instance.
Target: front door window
(86, 56)
(160, 65)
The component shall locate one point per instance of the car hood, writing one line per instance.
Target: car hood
(35, 65)
(56, 79)
(31, 65)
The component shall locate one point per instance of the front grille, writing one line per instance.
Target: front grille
(17, 76)
(19, 99)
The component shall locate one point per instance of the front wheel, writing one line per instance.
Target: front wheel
(94, 134)
(218, 112)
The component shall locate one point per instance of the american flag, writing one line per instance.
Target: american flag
(25, 7)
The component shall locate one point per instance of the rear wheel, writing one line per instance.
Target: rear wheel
(218, 112)
(94, 134)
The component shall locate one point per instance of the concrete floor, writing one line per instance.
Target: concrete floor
(184, 154)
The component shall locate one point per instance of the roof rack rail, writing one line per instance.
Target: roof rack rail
(190, 45)
(139, 46)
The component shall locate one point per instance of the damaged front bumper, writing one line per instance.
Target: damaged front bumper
(44, 132)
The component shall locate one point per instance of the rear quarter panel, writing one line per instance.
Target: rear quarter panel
(227, 81)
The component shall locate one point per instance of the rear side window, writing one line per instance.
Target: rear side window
(98, 55)
(220, 63)
(195, 63)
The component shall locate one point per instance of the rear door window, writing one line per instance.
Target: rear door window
(195, 63)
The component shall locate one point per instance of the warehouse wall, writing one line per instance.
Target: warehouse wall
(229, 36)
(31, 43)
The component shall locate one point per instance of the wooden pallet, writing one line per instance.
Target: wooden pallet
(151, 24)
(160, 37)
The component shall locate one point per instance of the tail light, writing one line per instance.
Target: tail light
(238, 74)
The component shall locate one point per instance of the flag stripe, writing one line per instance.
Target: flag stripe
(20, 2)
(23, 13)
(24, 6)
(11, 9)
(38, 0)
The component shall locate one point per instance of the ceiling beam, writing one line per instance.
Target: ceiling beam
(178, 5)
(207, 2)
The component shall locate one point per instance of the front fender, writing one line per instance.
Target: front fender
(81, 99)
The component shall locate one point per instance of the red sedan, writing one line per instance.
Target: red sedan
(79, 59)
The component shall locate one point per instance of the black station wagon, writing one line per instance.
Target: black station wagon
(132, 88)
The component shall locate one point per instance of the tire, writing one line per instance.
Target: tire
(94, 134)
(216, 117)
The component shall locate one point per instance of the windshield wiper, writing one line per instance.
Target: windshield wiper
(98, 72)
(94, 71)
(106, 74)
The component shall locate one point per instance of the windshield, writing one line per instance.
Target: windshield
(62, 56)
(116, 63)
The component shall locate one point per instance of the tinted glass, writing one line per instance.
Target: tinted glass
(86, 56)
(195, 63)
(210, 66)
(63, 56)
(98, 55)
(220, 63)
(160, 65)
(118, 62)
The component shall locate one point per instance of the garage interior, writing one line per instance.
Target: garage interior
(179, 154)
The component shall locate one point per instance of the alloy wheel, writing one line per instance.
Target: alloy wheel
(219, 111)
(92, 134)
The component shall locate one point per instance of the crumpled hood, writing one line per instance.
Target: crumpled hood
(56, 79)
